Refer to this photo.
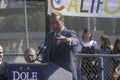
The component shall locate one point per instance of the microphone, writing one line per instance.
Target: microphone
(42, 48)
(41, 51)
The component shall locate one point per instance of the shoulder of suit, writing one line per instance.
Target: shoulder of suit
(50, 33)
(5, 63)
(68, 30)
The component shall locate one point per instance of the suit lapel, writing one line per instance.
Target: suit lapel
(50, 43)
(1, 66)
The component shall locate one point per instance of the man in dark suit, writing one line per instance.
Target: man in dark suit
(60, 49)
(3, 66)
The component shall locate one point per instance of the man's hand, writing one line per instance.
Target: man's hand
(63, 38)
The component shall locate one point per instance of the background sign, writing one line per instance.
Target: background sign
(25, 72)
(86, 8)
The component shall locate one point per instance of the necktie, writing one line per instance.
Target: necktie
(54, 46)
(55, 41)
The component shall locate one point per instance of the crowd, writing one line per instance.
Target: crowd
(62, 44)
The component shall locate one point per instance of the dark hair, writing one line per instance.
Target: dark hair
(85, 31)
(106, 45)
(115, 49)
(53, 14)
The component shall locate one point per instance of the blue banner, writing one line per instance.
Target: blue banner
(25, 72)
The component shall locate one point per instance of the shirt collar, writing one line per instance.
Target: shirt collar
(0, 62)
(60, 31)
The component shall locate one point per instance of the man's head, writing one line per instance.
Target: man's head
(56, 21)
(30, 55)
(1, 53)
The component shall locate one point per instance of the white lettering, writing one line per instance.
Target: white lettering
(24, 75)
(34, 74)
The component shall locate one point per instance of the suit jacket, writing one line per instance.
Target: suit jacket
(64, 51)
(3, 71)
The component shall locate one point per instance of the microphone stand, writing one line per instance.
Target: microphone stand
(41, 49)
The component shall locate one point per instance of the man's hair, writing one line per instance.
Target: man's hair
(57, 14)
(29, 50)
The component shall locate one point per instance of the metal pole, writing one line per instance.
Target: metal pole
(89, 22)
(94, 23)
(26, 25)
(47, 17)
(114, 24)
(102, 67)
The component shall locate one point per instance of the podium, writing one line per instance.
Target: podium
(54, 72)
(47, 71)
